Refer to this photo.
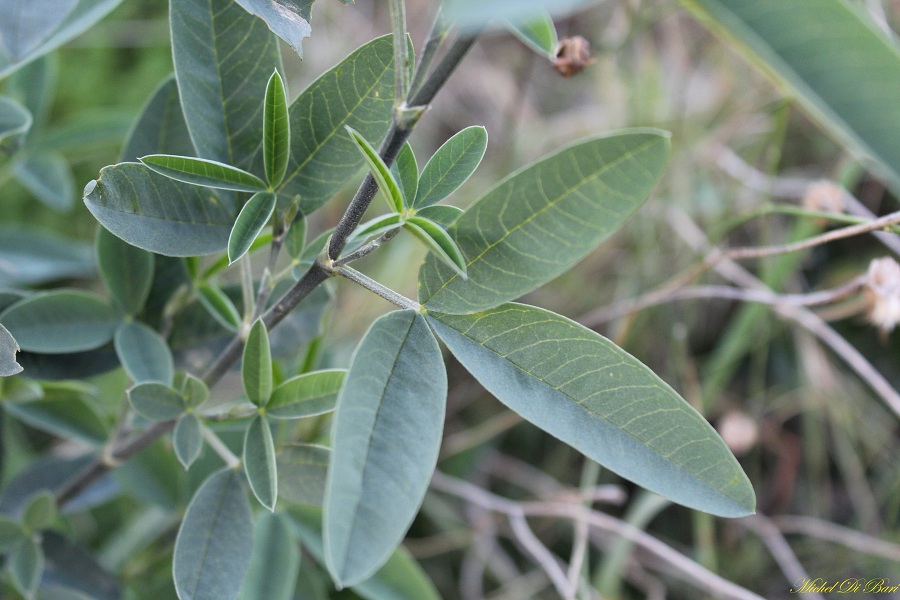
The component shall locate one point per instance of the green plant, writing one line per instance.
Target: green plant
(221, 168)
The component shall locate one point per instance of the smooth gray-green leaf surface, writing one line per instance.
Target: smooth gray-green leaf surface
(406, 171)
(250, 221)
(223, 60)
(156, 401)
(843, 71)
(215, 541)
(31, 257)
(476, 13)
(442, 214)
(158, 214)
(450, 167)
(11, 533)
(358, 92)
(256, 368)
(61, 321)
(208, 173)
(276, 131)
(387, 185)
(8, 349)
(195, 392)
(28, 23)
(219, 306)
(67, 415)
(537, 223)
(187, 439)
(40, 512)
(439, 242)
(160, 129)
(306, 395)
(34, 85)
(259, 461)
(26, 564)
(127, 271)
(275, 562)
(144, 354)
(15, 121)
(386, 437)
(288, 19)
(48, 176)
(591, 394)
(302, 470)
(538, 33)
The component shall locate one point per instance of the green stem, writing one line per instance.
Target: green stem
(373, 286)
(401, 52)
(219, 447)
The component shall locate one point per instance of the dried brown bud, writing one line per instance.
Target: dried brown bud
(824, 196)
(572, 56)
(882, 292)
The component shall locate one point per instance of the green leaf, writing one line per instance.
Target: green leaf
(251, 220)
(34, 85)
(160, 129)
(257, 365)
(843, 71)
(289, 20)
(386, 436)
(15, 121)
(377, 226)
(8, 349)
(389, 188)
(442, 214)
(48, 177)
(536, 224)
(66, 414)
(187, 439)
(406, 172)
(302, 471)
(31, 257)
(358, 92)
(586, 391)
(401, 577)
(451, 166)
(219, 306)
(126, 270)
(306, 395)
(76, 20)
(295, 238)
(27, 23)
(475, 13)
(26, 564)
(440, 244)
(194, 392)
(61, 321)
(11, 534)
(144, 353)
(156, 401)
(276, 131)
(275, 562)
(223, 59)
(538, 33)
(208, 173)
(259, 461)
(40, 512)
(214, 544)
(158, 214)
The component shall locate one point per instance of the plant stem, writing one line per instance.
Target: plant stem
(401, 52)
(375, 287)
(436, 37)
(219, 447)
(367, 249)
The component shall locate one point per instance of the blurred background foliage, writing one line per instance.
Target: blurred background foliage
(814, 440)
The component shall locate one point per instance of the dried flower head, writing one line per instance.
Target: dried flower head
(824, 196)
(882, 292)
(572, 56)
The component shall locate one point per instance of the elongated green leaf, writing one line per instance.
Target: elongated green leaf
(214, 544)
(474, 13)
(386, 437)
(34, 85)
(40, 513)
(31, 257)
(15, 121)
(194, 392)
(64, 414)
(223, 59)
(126, 270)
(26, 563)
(302, 471)
(401, 577)
(161, 128)
(406, 172)
(536, 224)
(158, 214)
(199, 171)
(377, 226)
(251, 220)
(357, 92)
(72, 566)
(537, 33)
(583, 389)
(219, 306)
(156, 401)
(387, 185)
(288, 19)
(76, 20)
(276, 131)
(295, 238)
(259, 462)
(49, 178)
(451, 166)
(61, 321)
(257, 365)
(187, 439)
(844, 72)
(442, 214)
(144, 354)
(275, 562)
(440, 244)
(12, 533)
(27, 23)
(306, 395)
(8, 349)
